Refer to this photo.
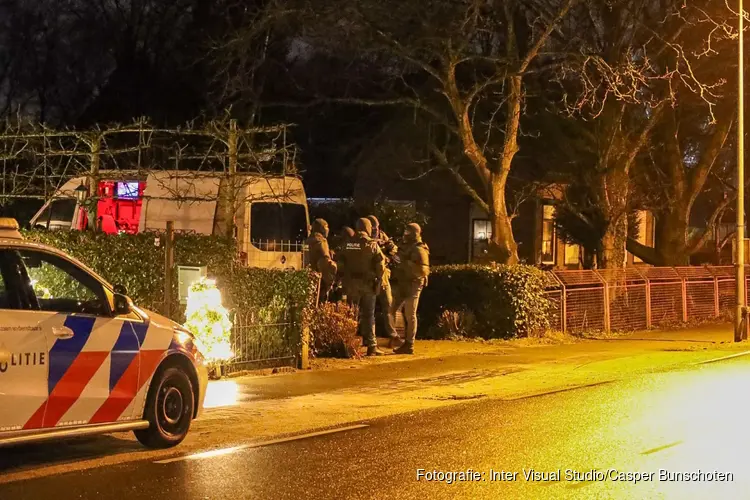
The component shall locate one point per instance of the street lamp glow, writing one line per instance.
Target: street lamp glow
(81, 192)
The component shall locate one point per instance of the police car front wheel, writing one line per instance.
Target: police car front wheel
(169, 409)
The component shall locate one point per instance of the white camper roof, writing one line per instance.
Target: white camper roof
(278, 189)
(189, 198)
(178, 184)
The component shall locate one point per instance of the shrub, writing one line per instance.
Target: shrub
(273, 303)
(253, 289)
(456, 324)
(132, 261)
(333, 329)
(505, 301)
(137, 263)
(267, 332)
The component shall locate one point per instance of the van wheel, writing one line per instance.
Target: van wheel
(169, 409)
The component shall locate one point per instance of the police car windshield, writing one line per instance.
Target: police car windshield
(278, 222)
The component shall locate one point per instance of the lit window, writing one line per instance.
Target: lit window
(548, 235)
(481, 234)
(572, 254)
(643, 230)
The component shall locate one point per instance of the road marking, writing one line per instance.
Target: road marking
(661, 448)
(226, 451)
(731, 356)
(556, 391)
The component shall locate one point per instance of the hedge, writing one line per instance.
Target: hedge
(501, 301)
(494, 301)
(137, 263)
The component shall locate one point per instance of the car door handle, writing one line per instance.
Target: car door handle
(62, 332)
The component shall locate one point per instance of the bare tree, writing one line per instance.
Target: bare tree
(37, 160)
(75, 62)
(261, 49)
(639, 59)
(675, 173)
(459, 65)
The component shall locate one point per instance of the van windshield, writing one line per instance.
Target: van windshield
(58, 214)
(277, 222)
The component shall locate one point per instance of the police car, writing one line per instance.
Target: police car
(78, 358)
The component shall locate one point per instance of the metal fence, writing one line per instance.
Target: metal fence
(264, 338)
(638, 298)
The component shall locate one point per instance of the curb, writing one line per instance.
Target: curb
(723, 358)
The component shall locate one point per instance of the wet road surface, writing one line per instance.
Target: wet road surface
(691, 420)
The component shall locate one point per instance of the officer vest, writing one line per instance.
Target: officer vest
(360, 258)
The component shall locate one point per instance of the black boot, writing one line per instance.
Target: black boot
(406, 348)
(374, 351)
(395, 342)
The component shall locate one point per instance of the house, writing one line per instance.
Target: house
(389, 167)
(394, 166)
(537, 238)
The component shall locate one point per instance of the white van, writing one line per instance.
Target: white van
(271, 222)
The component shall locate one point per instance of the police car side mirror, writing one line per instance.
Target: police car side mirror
(122, 305)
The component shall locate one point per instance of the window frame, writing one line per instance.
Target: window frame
(268, 245)
(552, 240)
(644, 225)
(474, 240)
(104, 295)
(10, 262)
(579, 252)
(45, 215)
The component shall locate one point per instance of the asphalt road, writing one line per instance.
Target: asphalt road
(691, 420)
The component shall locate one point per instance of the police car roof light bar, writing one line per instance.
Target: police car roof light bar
(9, 229)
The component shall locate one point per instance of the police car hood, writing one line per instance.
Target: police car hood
(162, 322)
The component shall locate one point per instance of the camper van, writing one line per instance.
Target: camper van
(271, 222)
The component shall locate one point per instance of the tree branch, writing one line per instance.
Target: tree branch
(463, 184)
(398, 101)
(708, 158)
(647, 254)
(534, 50)
(702, 238)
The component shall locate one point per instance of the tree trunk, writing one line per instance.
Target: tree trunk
(613, 244)
(614, 194)
(671, 237)
(589, 260)
(613, 180)
(502, 246)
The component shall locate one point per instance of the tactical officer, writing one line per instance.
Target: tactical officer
(411, 272)
(344, 236)
(363, 271)
(385, 297)
(321, 260)
(342, 290)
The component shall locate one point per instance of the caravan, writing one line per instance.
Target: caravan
(270, 220)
